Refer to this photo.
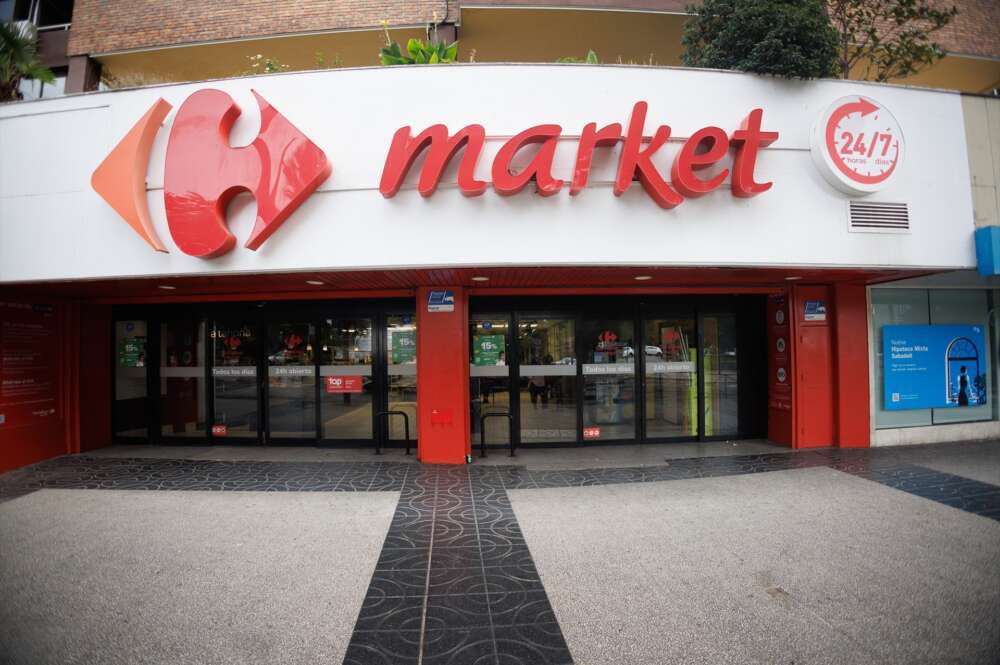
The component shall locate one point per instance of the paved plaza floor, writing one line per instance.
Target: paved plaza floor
(711, 553)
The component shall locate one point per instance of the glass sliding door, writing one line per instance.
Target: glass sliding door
(609, 380)
(547, 400)
(401, 373)
(347, 389)
(131, 413)
(720, 364)
(670, 353)
(489, 374)
(235, 394)
(291, 381)
(182, 378)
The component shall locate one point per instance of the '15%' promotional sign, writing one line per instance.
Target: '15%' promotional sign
(933, 366)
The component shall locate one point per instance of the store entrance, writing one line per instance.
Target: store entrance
(266, 373)
(587, 370)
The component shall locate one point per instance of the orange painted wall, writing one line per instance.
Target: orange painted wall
(443, 380)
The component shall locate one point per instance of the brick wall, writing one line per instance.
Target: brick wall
(975, 31)
(101, 26)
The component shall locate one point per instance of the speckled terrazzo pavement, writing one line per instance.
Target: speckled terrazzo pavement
(455, 581)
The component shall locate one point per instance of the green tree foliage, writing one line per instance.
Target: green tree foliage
(19, 59)
(788, 38)
(417, 51)
(882, 40)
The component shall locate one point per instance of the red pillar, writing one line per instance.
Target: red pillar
(443, 379)
(813, 315)
(851, 365)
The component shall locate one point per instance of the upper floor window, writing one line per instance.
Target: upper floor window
(43, 13)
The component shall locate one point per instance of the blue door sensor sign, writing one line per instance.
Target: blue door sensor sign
(441, 301)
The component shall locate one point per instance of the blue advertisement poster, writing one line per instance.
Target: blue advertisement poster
(933, 366)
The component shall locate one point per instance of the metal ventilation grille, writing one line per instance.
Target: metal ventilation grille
(872, 217)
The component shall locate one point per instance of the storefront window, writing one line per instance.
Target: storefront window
(346, 389)
(234, 379)
(130, 410)
(291, 381)
(671, 355)
(489, 374)
(547, 388)
(966, 393)
(182, 378)
(720, 364)
(609, 380)
(401, 348)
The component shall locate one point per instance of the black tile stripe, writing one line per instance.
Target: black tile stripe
(455, 581)
(971, 496)
(883, 465)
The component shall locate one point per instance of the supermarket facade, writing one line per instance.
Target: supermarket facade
(558, 255)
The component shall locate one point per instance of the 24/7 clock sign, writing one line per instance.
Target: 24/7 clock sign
(857, 145)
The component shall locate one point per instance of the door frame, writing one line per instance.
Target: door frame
(260, 315)
(639, 309)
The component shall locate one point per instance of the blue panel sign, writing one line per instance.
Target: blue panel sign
(815, 310)
(933, 366)
(441, 301)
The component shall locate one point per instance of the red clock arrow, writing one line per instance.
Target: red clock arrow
(864, 107)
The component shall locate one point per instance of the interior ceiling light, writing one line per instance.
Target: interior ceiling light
(792, 278)
(480, 278)
(314, 282)
(642, 278)
(167, 287)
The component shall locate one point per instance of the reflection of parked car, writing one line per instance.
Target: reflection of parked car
(566, 361)
(653, 350)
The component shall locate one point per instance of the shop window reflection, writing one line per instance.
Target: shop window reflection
(291, 381)
(234, 379)
(671, 378)
(609, 380)
(401, 349)
(346, 388)
(547, 387)
(182, 378)
(720, 368)
(489, 374)
(130, 412)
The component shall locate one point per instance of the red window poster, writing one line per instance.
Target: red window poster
(344, 384)
(591, 432)
(219, 430)
(29, 364)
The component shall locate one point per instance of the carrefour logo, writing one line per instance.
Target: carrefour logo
(202, 173)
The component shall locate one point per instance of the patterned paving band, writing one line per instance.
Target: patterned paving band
(884, 466)
(455, 582)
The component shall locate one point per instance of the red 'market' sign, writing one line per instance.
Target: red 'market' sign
(281, 167)
(704, 148)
